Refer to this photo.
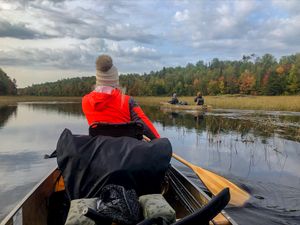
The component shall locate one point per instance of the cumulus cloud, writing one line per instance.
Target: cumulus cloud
(239, 27)
(76, 20)
(181, 15)
(221, 20)
(63, 59)
(143, 35)
(19, 30)
(78, 55)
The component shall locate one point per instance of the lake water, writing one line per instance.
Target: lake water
(259, 151)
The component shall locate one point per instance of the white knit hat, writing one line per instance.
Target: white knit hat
(106, 72)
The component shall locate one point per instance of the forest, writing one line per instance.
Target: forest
(252, 75)
(7, 86)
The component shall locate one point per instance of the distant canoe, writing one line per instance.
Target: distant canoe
(200, 108)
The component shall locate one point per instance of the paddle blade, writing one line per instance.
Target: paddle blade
(215, 183)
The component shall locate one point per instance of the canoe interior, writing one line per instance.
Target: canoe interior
(182, 195)
(185, 197)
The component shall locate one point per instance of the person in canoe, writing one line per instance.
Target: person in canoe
(174, 99)
(199, 99)
(106, 103)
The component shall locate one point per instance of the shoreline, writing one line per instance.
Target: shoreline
(267, 103)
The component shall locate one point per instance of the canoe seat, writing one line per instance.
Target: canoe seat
(130, 129)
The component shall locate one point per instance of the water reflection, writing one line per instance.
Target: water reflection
(256, 150)
(5, 113)
(18, 161)
(243, 144)
(66, 108)
(266, 125)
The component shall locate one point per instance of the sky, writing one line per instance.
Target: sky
(48, 40)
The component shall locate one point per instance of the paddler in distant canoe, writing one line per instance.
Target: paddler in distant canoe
(199, 99)
(174, 99)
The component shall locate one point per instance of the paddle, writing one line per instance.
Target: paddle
(216, 183)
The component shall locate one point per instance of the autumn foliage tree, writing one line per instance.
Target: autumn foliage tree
(250, 75)
(247, 82)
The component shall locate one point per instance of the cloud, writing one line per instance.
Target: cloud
(76, 20)
(127, 32)
(182, 16)
(238, 27)
(221, 20)
(80, 55)
(142, 35)
(19, 30)
(291, 6)
(75, 58)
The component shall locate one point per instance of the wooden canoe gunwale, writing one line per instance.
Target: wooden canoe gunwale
(199, 197)
(40, 187)
(33, 207)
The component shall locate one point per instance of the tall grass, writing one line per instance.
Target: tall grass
(272, 103)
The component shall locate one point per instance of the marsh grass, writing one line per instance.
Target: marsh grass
(271, 103)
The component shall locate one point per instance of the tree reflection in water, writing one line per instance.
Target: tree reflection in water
(259, 151)
(247, 125)
(66, 108)
(6, 112)
(241, 143)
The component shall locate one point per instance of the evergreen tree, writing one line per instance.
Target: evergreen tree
(7, 86)
(250, 75)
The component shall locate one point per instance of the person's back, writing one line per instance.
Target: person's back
(106, 103)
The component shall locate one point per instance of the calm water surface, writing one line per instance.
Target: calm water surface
(257, 150)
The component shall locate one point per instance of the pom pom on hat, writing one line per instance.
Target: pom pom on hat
(106, 72)
(104, 63)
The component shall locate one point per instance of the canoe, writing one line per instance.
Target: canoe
(184, 196)
(199, 108)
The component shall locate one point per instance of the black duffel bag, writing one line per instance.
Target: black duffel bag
(90, 163)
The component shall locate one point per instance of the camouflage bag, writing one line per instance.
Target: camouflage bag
(75, 216)
(155, 206)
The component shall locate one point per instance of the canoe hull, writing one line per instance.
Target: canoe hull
(32, 210)
(165, 106)
(184, 196)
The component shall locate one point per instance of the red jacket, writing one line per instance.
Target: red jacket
(115, 107)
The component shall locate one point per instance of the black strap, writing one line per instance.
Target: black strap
(52, 155)
(130, 129)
